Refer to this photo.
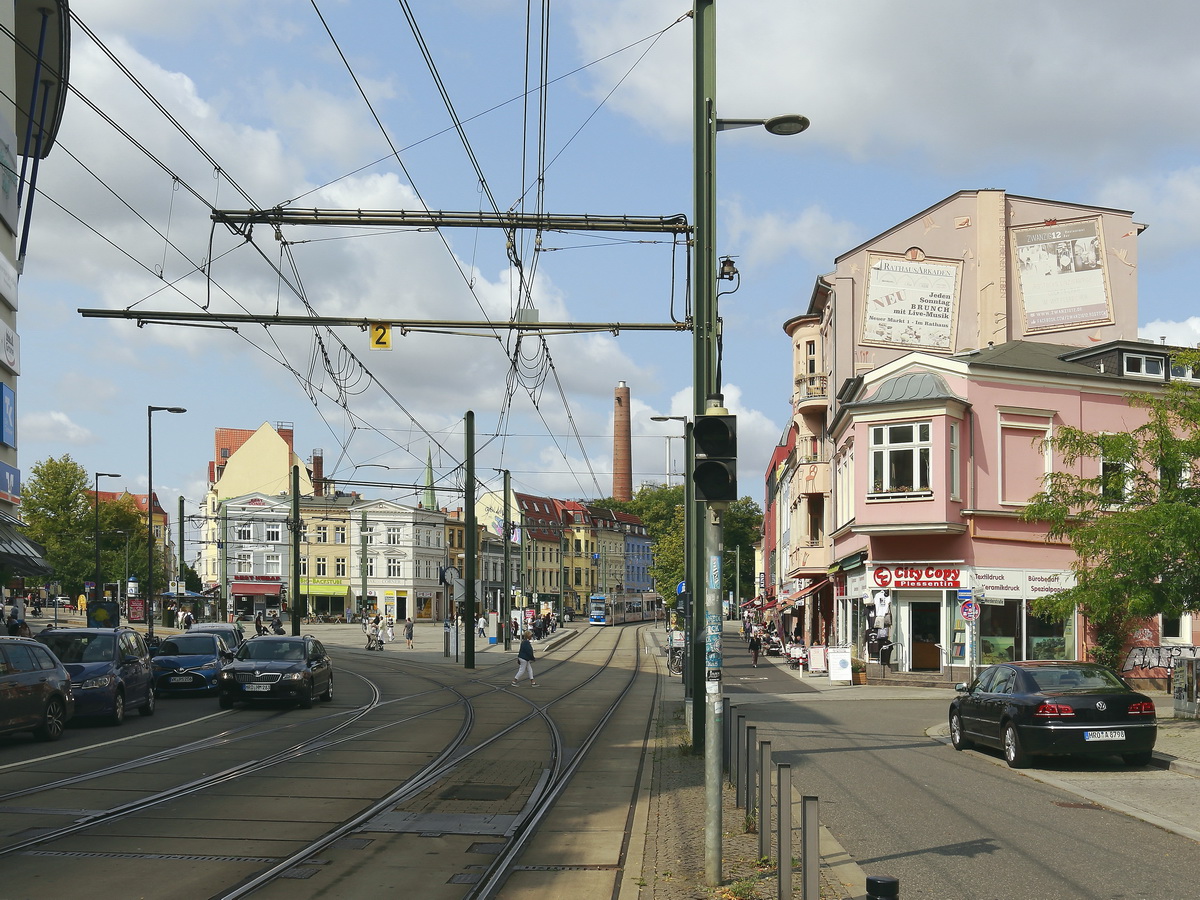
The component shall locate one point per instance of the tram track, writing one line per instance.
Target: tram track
(471, 742)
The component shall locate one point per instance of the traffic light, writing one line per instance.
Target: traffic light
(714, 471)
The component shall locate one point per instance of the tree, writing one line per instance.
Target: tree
(660, 507)
(1134, 525)
(57, 507)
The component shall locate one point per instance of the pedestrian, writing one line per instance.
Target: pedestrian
(481, 624)
(276, 624)
(408, 632)
(391, 629)
(259, 628)
(188, 621)
(755, 646)
(525, 661)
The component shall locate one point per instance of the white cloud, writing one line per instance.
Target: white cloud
(53, 426)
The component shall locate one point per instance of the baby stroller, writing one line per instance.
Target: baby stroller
(374, 641)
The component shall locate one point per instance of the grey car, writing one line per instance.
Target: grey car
(35, 690)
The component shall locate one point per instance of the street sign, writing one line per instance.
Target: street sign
(969, 610)
(681, 587)
(381, 336)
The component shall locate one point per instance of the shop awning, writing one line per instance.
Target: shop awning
(19, 553)
(756, 601)
(246, 588)
(811, 589)
(323, 590)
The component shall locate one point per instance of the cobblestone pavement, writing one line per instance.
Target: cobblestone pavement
(673, 863)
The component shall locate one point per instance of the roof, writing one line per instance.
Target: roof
(908, 388)
(1033, 356)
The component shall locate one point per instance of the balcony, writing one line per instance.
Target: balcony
(812, 476)
(811, 394)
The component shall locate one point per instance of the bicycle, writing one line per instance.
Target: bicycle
(675, 660)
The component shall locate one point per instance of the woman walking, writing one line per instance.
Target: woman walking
(525, 661)
(755, 646)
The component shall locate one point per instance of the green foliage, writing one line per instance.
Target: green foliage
(1129, 503)
(661, 509)
(57, 507)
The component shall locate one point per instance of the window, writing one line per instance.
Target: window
(368, 533)
(1180, 372)
(393, 567)
(322, 566)
(322, 534)
(900, 457)
(339, 567)
(241, 532)
(393, 534)
(245, 564)
(304, 566)
(271, 564)
(273, 532)
(955, 474)
(1172, 628)
(339, 534)
(1113, 479)
(370, 567)
(1144, 366)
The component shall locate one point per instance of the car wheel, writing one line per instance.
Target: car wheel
(147, 708)
(117, 716)
(328, 695)
(306, 697)
(957, 738)
(1141, 758)
(225, 701)
(1014, 753)
(54, 721)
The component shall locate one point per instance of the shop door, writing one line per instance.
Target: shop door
(924, 630)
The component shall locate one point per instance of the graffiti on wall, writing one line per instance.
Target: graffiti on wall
(1162, 658)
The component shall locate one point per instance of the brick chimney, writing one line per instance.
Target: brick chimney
(318, 473)
(622, 488)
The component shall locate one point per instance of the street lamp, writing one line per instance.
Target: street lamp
(670, 437)
(96, 482)
(707, 528)
(150, 411)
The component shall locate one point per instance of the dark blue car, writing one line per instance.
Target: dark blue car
(109, 668)
(189, 663)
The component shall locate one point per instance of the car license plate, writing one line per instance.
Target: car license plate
(180, 679)
(257, 687)
(1117, 735)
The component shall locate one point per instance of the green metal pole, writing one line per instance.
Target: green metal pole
(707, 546)
(362, 565)
(469, 611)
(506, 600)
(297, 611)
(223, 562)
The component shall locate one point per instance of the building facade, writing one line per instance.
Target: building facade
(928, 370)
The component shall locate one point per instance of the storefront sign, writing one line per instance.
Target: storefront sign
(1020, 584)
(907, 575)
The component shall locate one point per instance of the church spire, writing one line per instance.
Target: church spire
(430, 501)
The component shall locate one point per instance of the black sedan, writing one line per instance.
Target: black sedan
(1053, 708)
(277, 667)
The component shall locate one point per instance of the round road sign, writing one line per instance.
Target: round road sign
(969, 610)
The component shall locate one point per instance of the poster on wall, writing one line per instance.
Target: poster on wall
(1061, 275)
(910, 303)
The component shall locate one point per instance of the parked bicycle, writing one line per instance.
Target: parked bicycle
(675, 652)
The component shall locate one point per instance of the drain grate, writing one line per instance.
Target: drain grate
(477, 792)
(299, 872)
(464, 878)
(486, 847)
(190, 857)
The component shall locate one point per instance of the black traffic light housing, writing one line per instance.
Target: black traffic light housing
(714, 472)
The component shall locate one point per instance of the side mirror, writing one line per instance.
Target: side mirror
(153, 651)
(961, 687)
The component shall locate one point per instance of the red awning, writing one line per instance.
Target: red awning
(245, 588)
(811, 589)
(757, 601)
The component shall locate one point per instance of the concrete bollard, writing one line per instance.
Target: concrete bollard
(883, 887)
(764, 799)
(739, 741)
(728, 709)
(810, 849)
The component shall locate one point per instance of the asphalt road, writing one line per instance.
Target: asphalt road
(951, 824)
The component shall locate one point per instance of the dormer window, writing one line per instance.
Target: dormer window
(1144, 366)
(1180, 372)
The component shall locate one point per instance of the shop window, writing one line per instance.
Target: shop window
(1045, 639)
(997, 633)
(900, 458)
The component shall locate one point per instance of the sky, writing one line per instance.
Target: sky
(352, 104)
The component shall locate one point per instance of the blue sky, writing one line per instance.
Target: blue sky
(909, 103)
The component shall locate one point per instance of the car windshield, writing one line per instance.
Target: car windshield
(289, 651)
(1075, 678)
(186, 644)
(80, 648)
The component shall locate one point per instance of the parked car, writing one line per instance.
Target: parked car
(277, 667)
(189, 663)
(35, 690)
(1053, 708)
(233, 634)
(110, 670)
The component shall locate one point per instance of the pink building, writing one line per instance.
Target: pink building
(929, 368)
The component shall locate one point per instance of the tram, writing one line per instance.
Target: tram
(605, 610)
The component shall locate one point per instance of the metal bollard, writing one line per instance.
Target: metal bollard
(739, 741)
(783, 843)
(883, 887)
(764, 799)
(810, 849)
(746, 784)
